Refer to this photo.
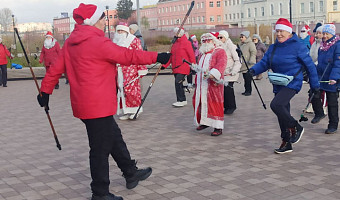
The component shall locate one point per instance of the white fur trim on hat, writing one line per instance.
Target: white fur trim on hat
(122, 28)
(283, 27)
(319, 29)
(95, 17)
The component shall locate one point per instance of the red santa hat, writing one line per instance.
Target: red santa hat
(122, 26)
(306, 28)
(49, 34)
(87, 14)
(192, 36)
(284, 24)
(181, 32)
(212, 36)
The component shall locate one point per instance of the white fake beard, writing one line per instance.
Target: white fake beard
(303, 35)
(0, 40)
(206, 47)
(48, 43)
(119, 38)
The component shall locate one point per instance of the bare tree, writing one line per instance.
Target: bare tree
(5, 19)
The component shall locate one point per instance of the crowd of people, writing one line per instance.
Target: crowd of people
(105, 84)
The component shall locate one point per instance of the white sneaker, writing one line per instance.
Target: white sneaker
(133, 115)
(180, 103)
(124, 117)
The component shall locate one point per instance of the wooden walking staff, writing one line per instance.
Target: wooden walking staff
(160, 67)
(37, 85)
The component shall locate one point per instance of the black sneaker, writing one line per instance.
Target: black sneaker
(229, 111)
(139, 175)
(297, 133)
(56, 86)
(317, 119)
(331, 131)
(110, 196)
(247, 94)
(285, 147)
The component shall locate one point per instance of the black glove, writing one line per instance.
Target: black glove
(43, 100)
(251, 72)
(239, 52)
(162, 68)
(163, 58)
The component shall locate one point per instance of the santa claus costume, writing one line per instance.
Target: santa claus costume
(208, 96)
(50, 52)
(129, 86)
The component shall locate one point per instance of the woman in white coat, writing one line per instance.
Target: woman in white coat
(231, 72)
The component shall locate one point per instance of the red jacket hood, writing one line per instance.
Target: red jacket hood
(84, 32)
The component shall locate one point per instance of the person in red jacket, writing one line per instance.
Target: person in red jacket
(90, 59)
(181, 49)
(50, 52)
(3, 63)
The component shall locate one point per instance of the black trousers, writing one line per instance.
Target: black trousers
(333, 110)
(280, 105)
(247, 82)
(3, 75)
(229, 96)
(179, 78)
(105, 139)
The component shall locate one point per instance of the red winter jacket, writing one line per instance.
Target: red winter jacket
(182, 49)
(49, 56)
(3, 53)
(89, 59)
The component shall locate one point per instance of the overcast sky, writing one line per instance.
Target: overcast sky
(46, 10)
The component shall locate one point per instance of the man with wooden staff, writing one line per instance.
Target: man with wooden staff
(90, 59)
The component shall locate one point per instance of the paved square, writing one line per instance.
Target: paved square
(187, 165)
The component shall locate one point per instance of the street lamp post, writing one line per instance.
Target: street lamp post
(138, 13)
(15, 41)
(290, 10)
(108, 21)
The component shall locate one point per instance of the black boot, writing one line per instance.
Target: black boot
(56, 86)
(297, 133)
(134, 175)
(107, 197)
(317, 119)
(285, 147)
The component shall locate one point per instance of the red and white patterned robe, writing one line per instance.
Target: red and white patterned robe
(129, 86)
(208, 97)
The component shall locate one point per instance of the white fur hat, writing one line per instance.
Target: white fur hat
(224, 33)
(181, 32)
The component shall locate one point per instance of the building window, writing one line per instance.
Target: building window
(179, 8)
(302, 8)
(218, 18)
(218, 4)
(198, 6)
(234, 2)
(167, 22)
(166, 9)
(234, 16)
(230, 16)
(335, 5)
(262, 11)
(238, 2)
(225, 3)
(187, 6)
(230, 4)
(321, 6)
(271, 9)
(202, 5)
(162, 10)
(280, 9)
(249, 13)
(212, 18)
(174, 8)
(203, 19)
(183, 7)
(193, 20)
(255, 12)
(226, 17)
(211, 4)
(159, 11)
(242, 15)
(238, 15)
(311, 7)
(171, 22)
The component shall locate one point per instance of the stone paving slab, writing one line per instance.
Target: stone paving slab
(187, 165)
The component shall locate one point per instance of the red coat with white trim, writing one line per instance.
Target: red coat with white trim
(181, 49)
(89, 59)
(49, 56)
(3, 53)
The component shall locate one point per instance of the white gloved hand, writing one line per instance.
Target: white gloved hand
(195, 67)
